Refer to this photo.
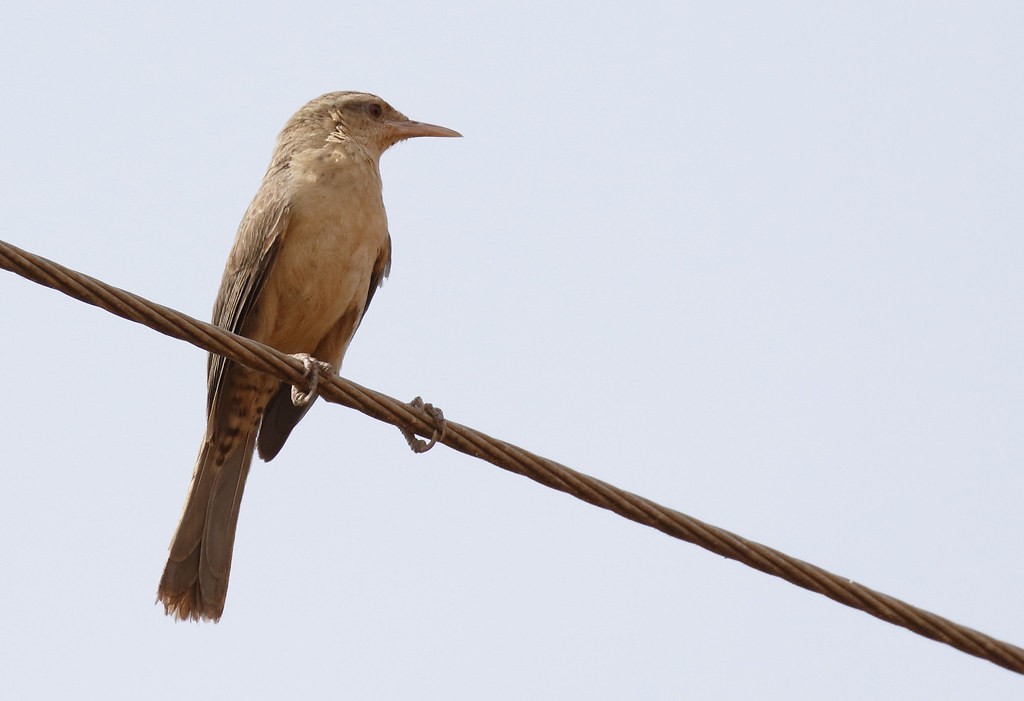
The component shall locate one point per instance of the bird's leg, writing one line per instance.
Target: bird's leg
(313, 369)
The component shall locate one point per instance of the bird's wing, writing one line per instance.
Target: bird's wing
(252, 257)
(381, 269)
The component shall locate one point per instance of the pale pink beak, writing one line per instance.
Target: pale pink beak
(407, 129)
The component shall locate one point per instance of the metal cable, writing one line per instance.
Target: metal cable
(512, 458)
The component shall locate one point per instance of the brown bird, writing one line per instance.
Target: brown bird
(310, 252)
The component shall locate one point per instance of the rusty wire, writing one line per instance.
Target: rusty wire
(412, 418)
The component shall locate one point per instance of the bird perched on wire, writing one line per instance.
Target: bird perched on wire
(310, 252)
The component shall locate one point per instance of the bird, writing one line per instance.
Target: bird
(309, 254)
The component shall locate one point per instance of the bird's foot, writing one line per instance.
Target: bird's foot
(314, 368)
(436, 416)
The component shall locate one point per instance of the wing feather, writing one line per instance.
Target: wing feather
(249, 264)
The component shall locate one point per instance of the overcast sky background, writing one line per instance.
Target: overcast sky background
(760, 262)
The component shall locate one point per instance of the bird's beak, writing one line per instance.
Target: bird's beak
(407, 129)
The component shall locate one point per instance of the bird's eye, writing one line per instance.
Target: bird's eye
(375, 110)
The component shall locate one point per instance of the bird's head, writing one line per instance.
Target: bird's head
(361, 120)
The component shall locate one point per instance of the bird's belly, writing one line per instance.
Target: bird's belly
(323, 269)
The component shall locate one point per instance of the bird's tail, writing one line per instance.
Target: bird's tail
(195, 580)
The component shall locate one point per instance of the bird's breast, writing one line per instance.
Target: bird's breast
(337, 230)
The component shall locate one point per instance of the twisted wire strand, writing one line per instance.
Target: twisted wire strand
(512, 458)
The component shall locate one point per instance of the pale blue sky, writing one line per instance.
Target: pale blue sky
(758, 262)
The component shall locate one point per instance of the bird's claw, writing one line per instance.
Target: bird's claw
(419, 445)
(313, 369)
